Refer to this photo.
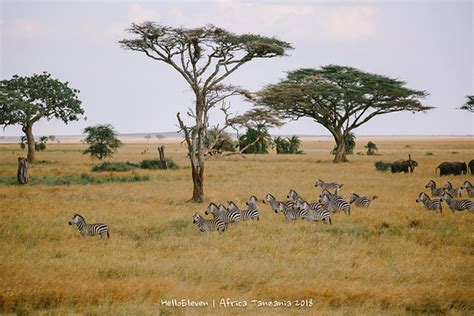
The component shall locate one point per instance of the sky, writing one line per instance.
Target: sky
(428, 44)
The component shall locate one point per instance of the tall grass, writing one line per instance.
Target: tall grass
(392, 258)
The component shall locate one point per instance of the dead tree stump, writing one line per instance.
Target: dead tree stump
(22, 173)
(164, 164)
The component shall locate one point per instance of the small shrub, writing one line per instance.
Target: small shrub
(382, 166)
(158, 164)
(371, 148)
(289, 145)
(114, 166)
(429, 154)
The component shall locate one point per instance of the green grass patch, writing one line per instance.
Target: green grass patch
(114, 166)
(382, 166)
(158, 164)
(83, 179)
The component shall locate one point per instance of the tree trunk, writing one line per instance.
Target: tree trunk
(22, 173)
(28, 129)
(341, 150)
(161, 150)
(198, 182)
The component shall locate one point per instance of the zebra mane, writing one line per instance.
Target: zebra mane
(356, 195)
(271, 195)
(80, 216)
(212, 203)
(232, 203)
(449, 194)
(253, 196)
(468, 183)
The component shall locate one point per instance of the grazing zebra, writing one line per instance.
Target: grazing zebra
(270, 199)
(209, 224)
(252, 211)
(458, 205)
(469, 188)
(361, 201)
(454, 192)
(435, 204)
(434, 190)
(328, 185)
(334, 203)
(228, 216)
(89, 229)
(316, 211)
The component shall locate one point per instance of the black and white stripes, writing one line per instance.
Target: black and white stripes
(85, 229)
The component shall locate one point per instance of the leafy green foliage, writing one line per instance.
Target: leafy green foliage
(382, 166)
(256, 140)
(371, 148)
(103, 141)
(158, 164)
(339, 98)
(289, 145)
(39, 146)
(350, 145)
(114, 166)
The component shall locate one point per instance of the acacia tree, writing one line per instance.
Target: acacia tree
(339, 98)
(469, 105)
(26, 100)
(102, 140)
(204, 57)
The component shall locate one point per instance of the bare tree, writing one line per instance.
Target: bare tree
(204, 57)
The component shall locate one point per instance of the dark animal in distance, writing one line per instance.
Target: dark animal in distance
(454, 168)
(471, 166)
(404, 165)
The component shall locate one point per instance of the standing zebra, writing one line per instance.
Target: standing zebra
(361, 201)
(334, 203)
(458, 205)
(89, 229)
(270, 199)
(434, 190)
(252, 211)
(328, 185)
(316, 211)
(227, 215)
(469, 188)
(454, 192)
(435, 204)
(208, 224)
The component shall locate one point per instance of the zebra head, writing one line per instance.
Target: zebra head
(293, 195)
(197, 218)
(318, 183)
(211, 209)
(448, 186)
(354, 197)
(268, 198)
(76, 219)
(467, 184)
(252, 200)
(421, 197)
(446, 196)
(431, 184)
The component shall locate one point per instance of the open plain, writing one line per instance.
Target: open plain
(392, 258)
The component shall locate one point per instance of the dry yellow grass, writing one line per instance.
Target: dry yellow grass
(392, 258)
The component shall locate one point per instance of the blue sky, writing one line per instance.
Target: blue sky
(428, 44)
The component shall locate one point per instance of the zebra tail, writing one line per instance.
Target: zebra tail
(375, 196)
(108, 234)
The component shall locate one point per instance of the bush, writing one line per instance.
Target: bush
(429, 154)
(289, 145)
(382, 166)
(114, 166)
(158, 164)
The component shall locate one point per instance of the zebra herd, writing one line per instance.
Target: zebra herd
(294, 208)
(447, 193)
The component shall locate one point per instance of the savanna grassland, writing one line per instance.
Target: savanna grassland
(393, 258)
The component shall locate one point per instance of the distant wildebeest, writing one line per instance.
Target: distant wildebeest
(471, 166)
(404, 165)
(455, 168)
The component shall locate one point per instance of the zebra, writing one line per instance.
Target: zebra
(361, 201)
(316, 211)
(454, 192)
(294, 196)
(458, 205)
(208, 224)
(434, 190)
(252, 211)
(89, 229)
(469, 188)
(221, 212)
(328, 185)
(435, 204)
(334, 203)
(270, 199)
(291, 213)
